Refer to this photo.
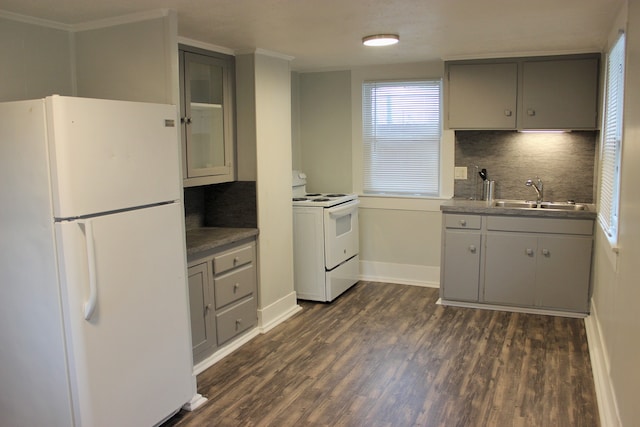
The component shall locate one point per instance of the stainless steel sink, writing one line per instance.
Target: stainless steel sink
(518, 204)
(563, 206)
(527, 204)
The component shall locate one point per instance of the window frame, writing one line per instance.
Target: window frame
(611, 139)
(440, 151)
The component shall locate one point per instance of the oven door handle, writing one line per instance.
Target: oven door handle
(341, 210)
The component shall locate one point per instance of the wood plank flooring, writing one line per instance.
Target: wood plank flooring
(387, 355)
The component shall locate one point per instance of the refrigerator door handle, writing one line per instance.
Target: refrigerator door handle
(90, 305)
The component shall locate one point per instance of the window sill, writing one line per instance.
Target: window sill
(401, 202)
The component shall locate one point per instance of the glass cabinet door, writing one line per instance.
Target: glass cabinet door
(206, 131)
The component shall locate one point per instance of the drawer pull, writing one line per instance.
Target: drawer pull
(236, 260)
(472, 249)
(546, 252)
(238, 323)
(529, 252)
(463, 222)
(236, 287)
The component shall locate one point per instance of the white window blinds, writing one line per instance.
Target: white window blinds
(612, 140)
(401, 137)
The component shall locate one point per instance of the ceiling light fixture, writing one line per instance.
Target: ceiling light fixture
(380, 40)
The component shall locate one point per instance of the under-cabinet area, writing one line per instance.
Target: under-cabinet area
(538, 261)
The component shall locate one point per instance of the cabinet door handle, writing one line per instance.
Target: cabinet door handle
(546, 252)
(529, 252)
(463, 222)
(508, 113)
(472, 249)
(531, 112)
(207, 308)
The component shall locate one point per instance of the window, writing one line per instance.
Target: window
(611, 141)
(401, 137)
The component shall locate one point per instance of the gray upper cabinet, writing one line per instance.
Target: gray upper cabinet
(558, 92)
(482, 96)
(207, 116)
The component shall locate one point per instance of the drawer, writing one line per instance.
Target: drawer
(236, 320)
(540, 225)
(472, 222)
(234, 285)
(233, 258)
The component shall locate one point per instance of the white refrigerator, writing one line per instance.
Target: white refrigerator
(94, 323)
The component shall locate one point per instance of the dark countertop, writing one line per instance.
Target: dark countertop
(487, 208)
(206, 238)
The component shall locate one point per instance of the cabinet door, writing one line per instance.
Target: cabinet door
(564, 267)
(206, 117)
(560, 94)
(510, 270)
(482, 96)
(461, 265)
(202, 329)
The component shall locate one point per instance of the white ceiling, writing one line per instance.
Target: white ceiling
(326, 34)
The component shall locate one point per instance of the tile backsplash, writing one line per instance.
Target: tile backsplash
(231, 204)
(565, 163)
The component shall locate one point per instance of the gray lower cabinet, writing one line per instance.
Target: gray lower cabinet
(542, 263)
(222, 297)
(203, 331)
(462, 246)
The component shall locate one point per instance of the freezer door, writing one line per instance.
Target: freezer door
(108, 155)
(130, 357)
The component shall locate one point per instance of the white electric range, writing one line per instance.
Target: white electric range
(325, 242)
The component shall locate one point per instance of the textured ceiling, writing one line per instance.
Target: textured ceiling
(326, 34)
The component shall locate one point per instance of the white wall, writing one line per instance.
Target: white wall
(325, 130)
(36, 60)
(268, 111)
(133, 61)
(616, 283)
(132, 58)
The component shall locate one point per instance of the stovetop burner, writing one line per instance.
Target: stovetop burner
(313, 194)
(299, 199)
(336, 195)
(320, 199)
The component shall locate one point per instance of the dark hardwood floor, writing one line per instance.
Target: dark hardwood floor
(387, 355)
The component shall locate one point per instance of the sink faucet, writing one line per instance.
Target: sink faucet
(538, 187)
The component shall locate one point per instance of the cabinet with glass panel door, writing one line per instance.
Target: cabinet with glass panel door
(207, 109)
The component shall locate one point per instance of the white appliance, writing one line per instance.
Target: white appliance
(94, 319)
(325, 242)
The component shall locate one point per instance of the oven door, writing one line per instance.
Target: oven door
(341, 239)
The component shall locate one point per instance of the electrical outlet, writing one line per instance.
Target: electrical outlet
(460, 172)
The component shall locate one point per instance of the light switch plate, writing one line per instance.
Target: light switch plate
(460, 172)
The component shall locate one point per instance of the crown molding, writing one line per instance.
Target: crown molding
(265, 52)
(90, 25)
(206, 46)
(35, 21)
(120, 20)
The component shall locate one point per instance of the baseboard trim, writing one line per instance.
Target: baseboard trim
(605, 394)
(272, 315)
(511, 309)
(403, 274)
